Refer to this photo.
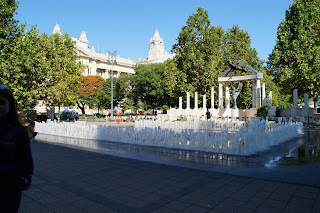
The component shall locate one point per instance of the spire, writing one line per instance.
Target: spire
(156, 35)
(56, 29)
(83, 37)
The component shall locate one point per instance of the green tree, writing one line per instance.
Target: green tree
(295, 60)
(88, 91)
(64, 71)
(104, 94)
(146, 84)
(199, 53)
(238, 47)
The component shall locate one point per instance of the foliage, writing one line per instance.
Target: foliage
(262, 111)
(146, 84)
(64, 71)
(104, 94)
(295, 60)
(88, 91)
(198, 53)
(36, 66)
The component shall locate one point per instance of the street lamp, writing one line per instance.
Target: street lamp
(112, 55)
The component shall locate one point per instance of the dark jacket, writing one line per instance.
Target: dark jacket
(15, 155)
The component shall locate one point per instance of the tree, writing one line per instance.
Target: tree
(146, 84)
(88, 91)
(295, 60)
(64, 71)
(237, 46)
(199, 53)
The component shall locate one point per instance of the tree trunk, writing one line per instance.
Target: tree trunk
(81, 106)
(315, 104)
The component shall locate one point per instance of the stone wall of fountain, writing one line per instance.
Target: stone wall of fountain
(249, 139)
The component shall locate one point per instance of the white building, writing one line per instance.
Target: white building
(96, 63)
(157, 53)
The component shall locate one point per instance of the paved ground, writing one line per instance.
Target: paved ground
(72, 180)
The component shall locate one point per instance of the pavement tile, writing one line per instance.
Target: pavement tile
(229, 205)
(177, 205)
(273, 204)
(193, 208)
(164, 210)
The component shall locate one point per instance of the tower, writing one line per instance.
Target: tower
(156, 49)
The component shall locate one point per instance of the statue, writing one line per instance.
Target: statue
(235, 93)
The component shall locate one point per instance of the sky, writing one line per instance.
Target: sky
(126, 26)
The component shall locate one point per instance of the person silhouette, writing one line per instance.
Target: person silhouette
(15, 153)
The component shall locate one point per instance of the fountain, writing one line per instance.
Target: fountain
(226, 137)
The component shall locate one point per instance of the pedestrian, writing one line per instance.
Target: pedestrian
(208, 114)
(15, 153)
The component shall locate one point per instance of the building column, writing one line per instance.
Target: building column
(212, 97)
(295, 98)
(253, 94)
(258, 93)
(227, 96)
(270, 99)
(196, 100)
(188, 100)
(204, 103)
(180, 102)
(220, 96)
(263, 94)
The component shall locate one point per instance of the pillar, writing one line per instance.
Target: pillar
(263, 94)
(188, 100)
(204, 103)
(270, 99)
(258, 93)
(227, 97)
(180, 102)
(212, 97)
(253, 94)
(220, 96)
(295, 98)
(196, 100)
(306, 100)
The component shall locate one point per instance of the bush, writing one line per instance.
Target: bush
(262, 111)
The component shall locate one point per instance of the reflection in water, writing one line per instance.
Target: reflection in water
(303, 150)
(307, 153)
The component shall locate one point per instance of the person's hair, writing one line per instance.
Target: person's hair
(13, 114)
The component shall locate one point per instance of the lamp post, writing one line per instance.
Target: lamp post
(112, 55)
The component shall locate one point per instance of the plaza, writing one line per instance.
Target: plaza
(145, 179)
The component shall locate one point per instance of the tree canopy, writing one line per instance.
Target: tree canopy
(295, 60)
(88, 91)
(36, 66)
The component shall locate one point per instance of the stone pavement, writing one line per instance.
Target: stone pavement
(72, 180)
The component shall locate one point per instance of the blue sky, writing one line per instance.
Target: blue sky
(127, 25)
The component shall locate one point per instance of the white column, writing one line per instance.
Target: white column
(306, 100)
(227, 97)
(212, 97)
(204, 103)
(263, 94)
(253, 94)
(258, 93)
(295, 98)
(220, 96)
(270, 99)
(196, 100)
(180, 102)
(188, 100)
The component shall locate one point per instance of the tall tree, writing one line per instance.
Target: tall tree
(64, 71)
(237, 46)
(88, 91)
(147, 86)
(295, 60)
(199, 52)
